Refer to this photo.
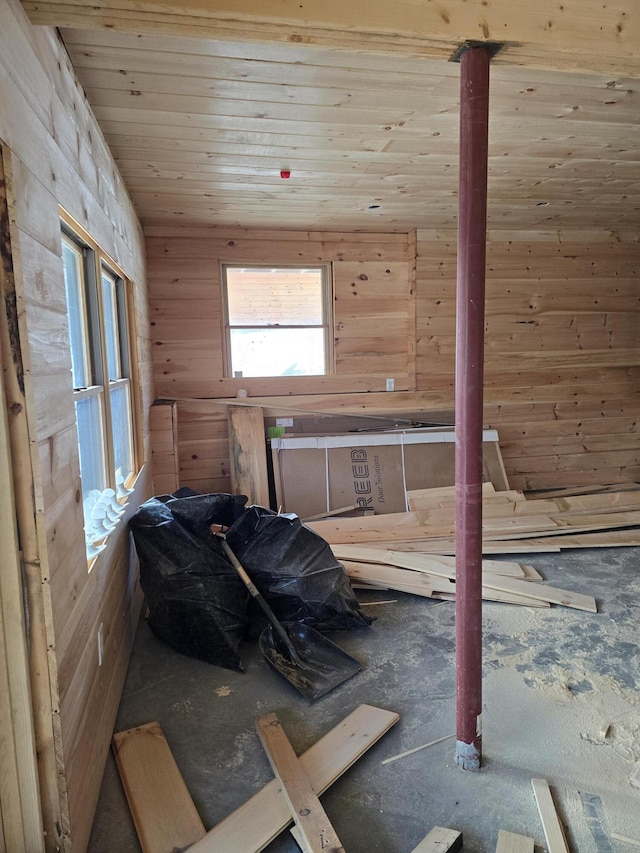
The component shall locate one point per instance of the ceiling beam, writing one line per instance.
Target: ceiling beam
(600, 36)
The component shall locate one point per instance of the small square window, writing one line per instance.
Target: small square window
(277, 321)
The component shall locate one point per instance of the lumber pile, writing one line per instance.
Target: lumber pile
(414, 551)
(433, 576)
(512, 522)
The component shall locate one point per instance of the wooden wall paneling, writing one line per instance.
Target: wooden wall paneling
(369, 296)
(203, 447)
(163, 426)
(15, 358)
(57, 160)
(185, 301)
(89, 693)
(561, 349)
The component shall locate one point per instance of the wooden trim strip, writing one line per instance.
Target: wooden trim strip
(553, 831)
(304, 806)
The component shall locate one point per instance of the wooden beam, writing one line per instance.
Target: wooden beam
(590, 36)
(553, 831)
(248, 454)
(311, 819)
(262, 818)
(161, 806)
(440, 840)
(20, 808)
(14, 355)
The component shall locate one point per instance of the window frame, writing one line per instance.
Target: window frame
(95, 263)
(326, 270)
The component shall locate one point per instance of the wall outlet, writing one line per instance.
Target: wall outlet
(390, 384)
(100, 644)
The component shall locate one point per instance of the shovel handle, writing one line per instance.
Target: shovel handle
(255, 593)
(237, 565)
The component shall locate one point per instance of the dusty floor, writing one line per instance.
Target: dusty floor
(561, 701)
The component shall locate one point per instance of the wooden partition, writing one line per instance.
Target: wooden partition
(54, 155)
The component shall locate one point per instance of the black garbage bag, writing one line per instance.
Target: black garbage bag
(197, 603)
(295, 570)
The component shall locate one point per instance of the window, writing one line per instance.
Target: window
(277, 321)
(101, 371)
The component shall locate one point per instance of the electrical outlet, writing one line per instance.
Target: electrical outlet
(100, 644)
(390, 384)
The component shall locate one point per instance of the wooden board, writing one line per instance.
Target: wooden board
(20, 810)
(248, 454)
(542, 592)
(314, 826)
(553, 831)
(261, 819)
(511, 842)
(440, 840)
(497, 595)
(161, 806)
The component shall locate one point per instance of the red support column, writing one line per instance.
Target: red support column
(470, 296)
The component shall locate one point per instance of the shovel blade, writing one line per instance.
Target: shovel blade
(319, 665)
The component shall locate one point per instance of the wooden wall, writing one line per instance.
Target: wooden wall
(374, 310)
(54, 154)
(562, 350)
(562, 342)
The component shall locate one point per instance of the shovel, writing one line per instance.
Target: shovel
(308, 660)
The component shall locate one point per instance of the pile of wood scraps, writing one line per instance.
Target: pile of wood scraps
(512, 523)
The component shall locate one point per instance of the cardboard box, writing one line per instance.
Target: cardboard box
(315, 474)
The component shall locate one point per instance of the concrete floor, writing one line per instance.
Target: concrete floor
(561, 701)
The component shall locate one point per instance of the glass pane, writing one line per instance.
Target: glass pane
(74, 284)
(91, 442)
(122, 431)
(271, 297)
(111, 326)
(277, 352)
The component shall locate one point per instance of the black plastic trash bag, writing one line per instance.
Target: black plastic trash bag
(197, 603)
(295, 570)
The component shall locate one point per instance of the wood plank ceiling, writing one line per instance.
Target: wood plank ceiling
(202, 130)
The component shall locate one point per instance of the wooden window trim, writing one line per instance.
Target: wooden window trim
(94, 333)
